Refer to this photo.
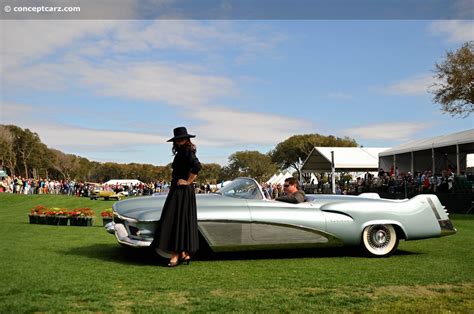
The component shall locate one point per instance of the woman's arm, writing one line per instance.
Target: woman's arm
(189, 181)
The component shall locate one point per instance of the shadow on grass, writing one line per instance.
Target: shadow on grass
(118, 254)
(289, 254)
(125, 255)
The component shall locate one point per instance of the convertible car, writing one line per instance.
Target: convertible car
(239, 217)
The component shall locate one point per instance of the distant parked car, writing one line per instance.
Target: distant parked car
(106, 195)
(239, 217)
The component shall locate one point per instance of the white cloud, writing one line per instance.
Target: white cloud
(216, 126)
(393, 131)
(94, 139)
(455, 31)
(166, 83)
(97, 57)
(418, 85)
(26, 41)
(223, 126)
(11, 110)
(56, 134)
(156, 82)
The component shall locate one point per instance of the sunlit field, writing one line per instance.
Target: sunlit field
(83, 269)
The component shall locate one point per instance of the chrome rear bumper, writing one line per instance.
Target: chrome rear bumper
(447, 227)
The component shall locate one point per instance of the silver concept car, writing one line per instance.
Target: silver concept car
(239, 217)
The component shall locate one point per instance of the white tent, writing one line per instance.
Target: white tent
(434, 153)
(272, 179)
(279, 178)
(347, 159)
(123, 182)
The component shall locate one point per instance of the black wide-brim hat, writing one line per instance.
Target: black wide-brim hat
(180, 132)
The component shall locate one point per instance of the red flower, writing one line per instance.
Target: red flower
(39, 210)
(83, 212)
(106, 214)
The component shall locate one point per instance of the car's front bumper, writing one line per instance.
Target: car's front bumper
(130, 232)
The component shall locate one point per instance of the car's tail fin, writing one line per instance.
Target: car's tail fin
(441, 214)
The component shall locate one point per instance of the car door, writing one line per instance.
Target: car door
(224, 222)
(281, 224)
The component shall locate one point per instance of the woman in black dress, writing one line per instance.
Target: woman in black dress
(178, 232)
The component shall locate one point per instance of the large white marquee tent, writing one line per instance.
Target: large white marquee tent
(435, 153)
(342, 159)
(346, 159)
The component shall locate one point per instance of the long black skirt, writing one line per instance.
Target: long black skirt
(178, 229)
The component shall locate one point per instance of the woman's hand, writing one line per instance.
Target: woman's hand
(182, 182)
(189, 181)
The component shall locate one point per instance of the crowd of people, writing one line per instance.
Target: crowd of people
(394, 182)
(21, 185)
(391, 182)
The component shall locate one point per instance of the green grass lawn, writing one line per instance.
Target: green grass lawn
(83, 269)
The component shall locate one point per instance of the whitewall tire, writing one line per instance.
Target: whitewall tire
(379, 240)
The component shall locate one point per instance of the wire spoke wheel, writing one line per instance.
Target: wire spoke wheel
(379, 240)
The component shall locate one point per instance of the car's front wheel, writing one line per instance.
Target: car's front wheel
(379, 240)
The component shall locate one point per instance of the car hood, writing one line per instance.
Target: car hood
(148, 208)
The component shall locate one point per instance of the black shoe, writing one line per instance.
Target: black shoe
(186, 260)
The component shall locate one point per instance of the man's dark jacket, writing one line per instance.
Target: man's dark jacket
(295, 198)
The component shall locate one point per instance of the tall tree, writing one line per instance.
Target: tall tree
(294, 150)
(161, 173)
(250, 164)
(41, 159)
(25, 143)
(454, 89)
(210, 173)
(7, 152)
(63, 163)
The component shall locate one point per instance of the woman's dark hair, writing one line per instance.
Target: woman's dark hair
(188, 143)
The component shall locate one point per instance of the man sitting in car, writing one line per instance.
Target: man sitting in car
(292, 193)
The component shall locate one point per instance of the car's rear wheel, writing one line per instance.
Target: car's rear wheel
(379, 240)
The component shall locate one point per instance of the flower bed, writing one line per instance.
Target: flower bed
(81, 217)
(38, 215)
(61, 216)
(107, 216)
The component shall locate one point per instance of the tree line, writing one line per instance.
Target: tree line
(23, 154)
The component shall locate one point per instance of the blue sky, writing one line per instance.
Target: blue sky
(114, 90)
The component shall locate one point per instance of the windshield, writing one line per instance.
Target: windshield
(242, 188)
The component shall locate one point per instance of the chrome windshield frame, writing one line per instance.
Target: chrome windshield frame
(237, 182)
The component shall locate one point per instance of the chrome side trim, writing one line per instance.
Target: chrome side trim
(337, 212)
(229, 235)
(266, 247)
(225, 232)
(433, 207)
